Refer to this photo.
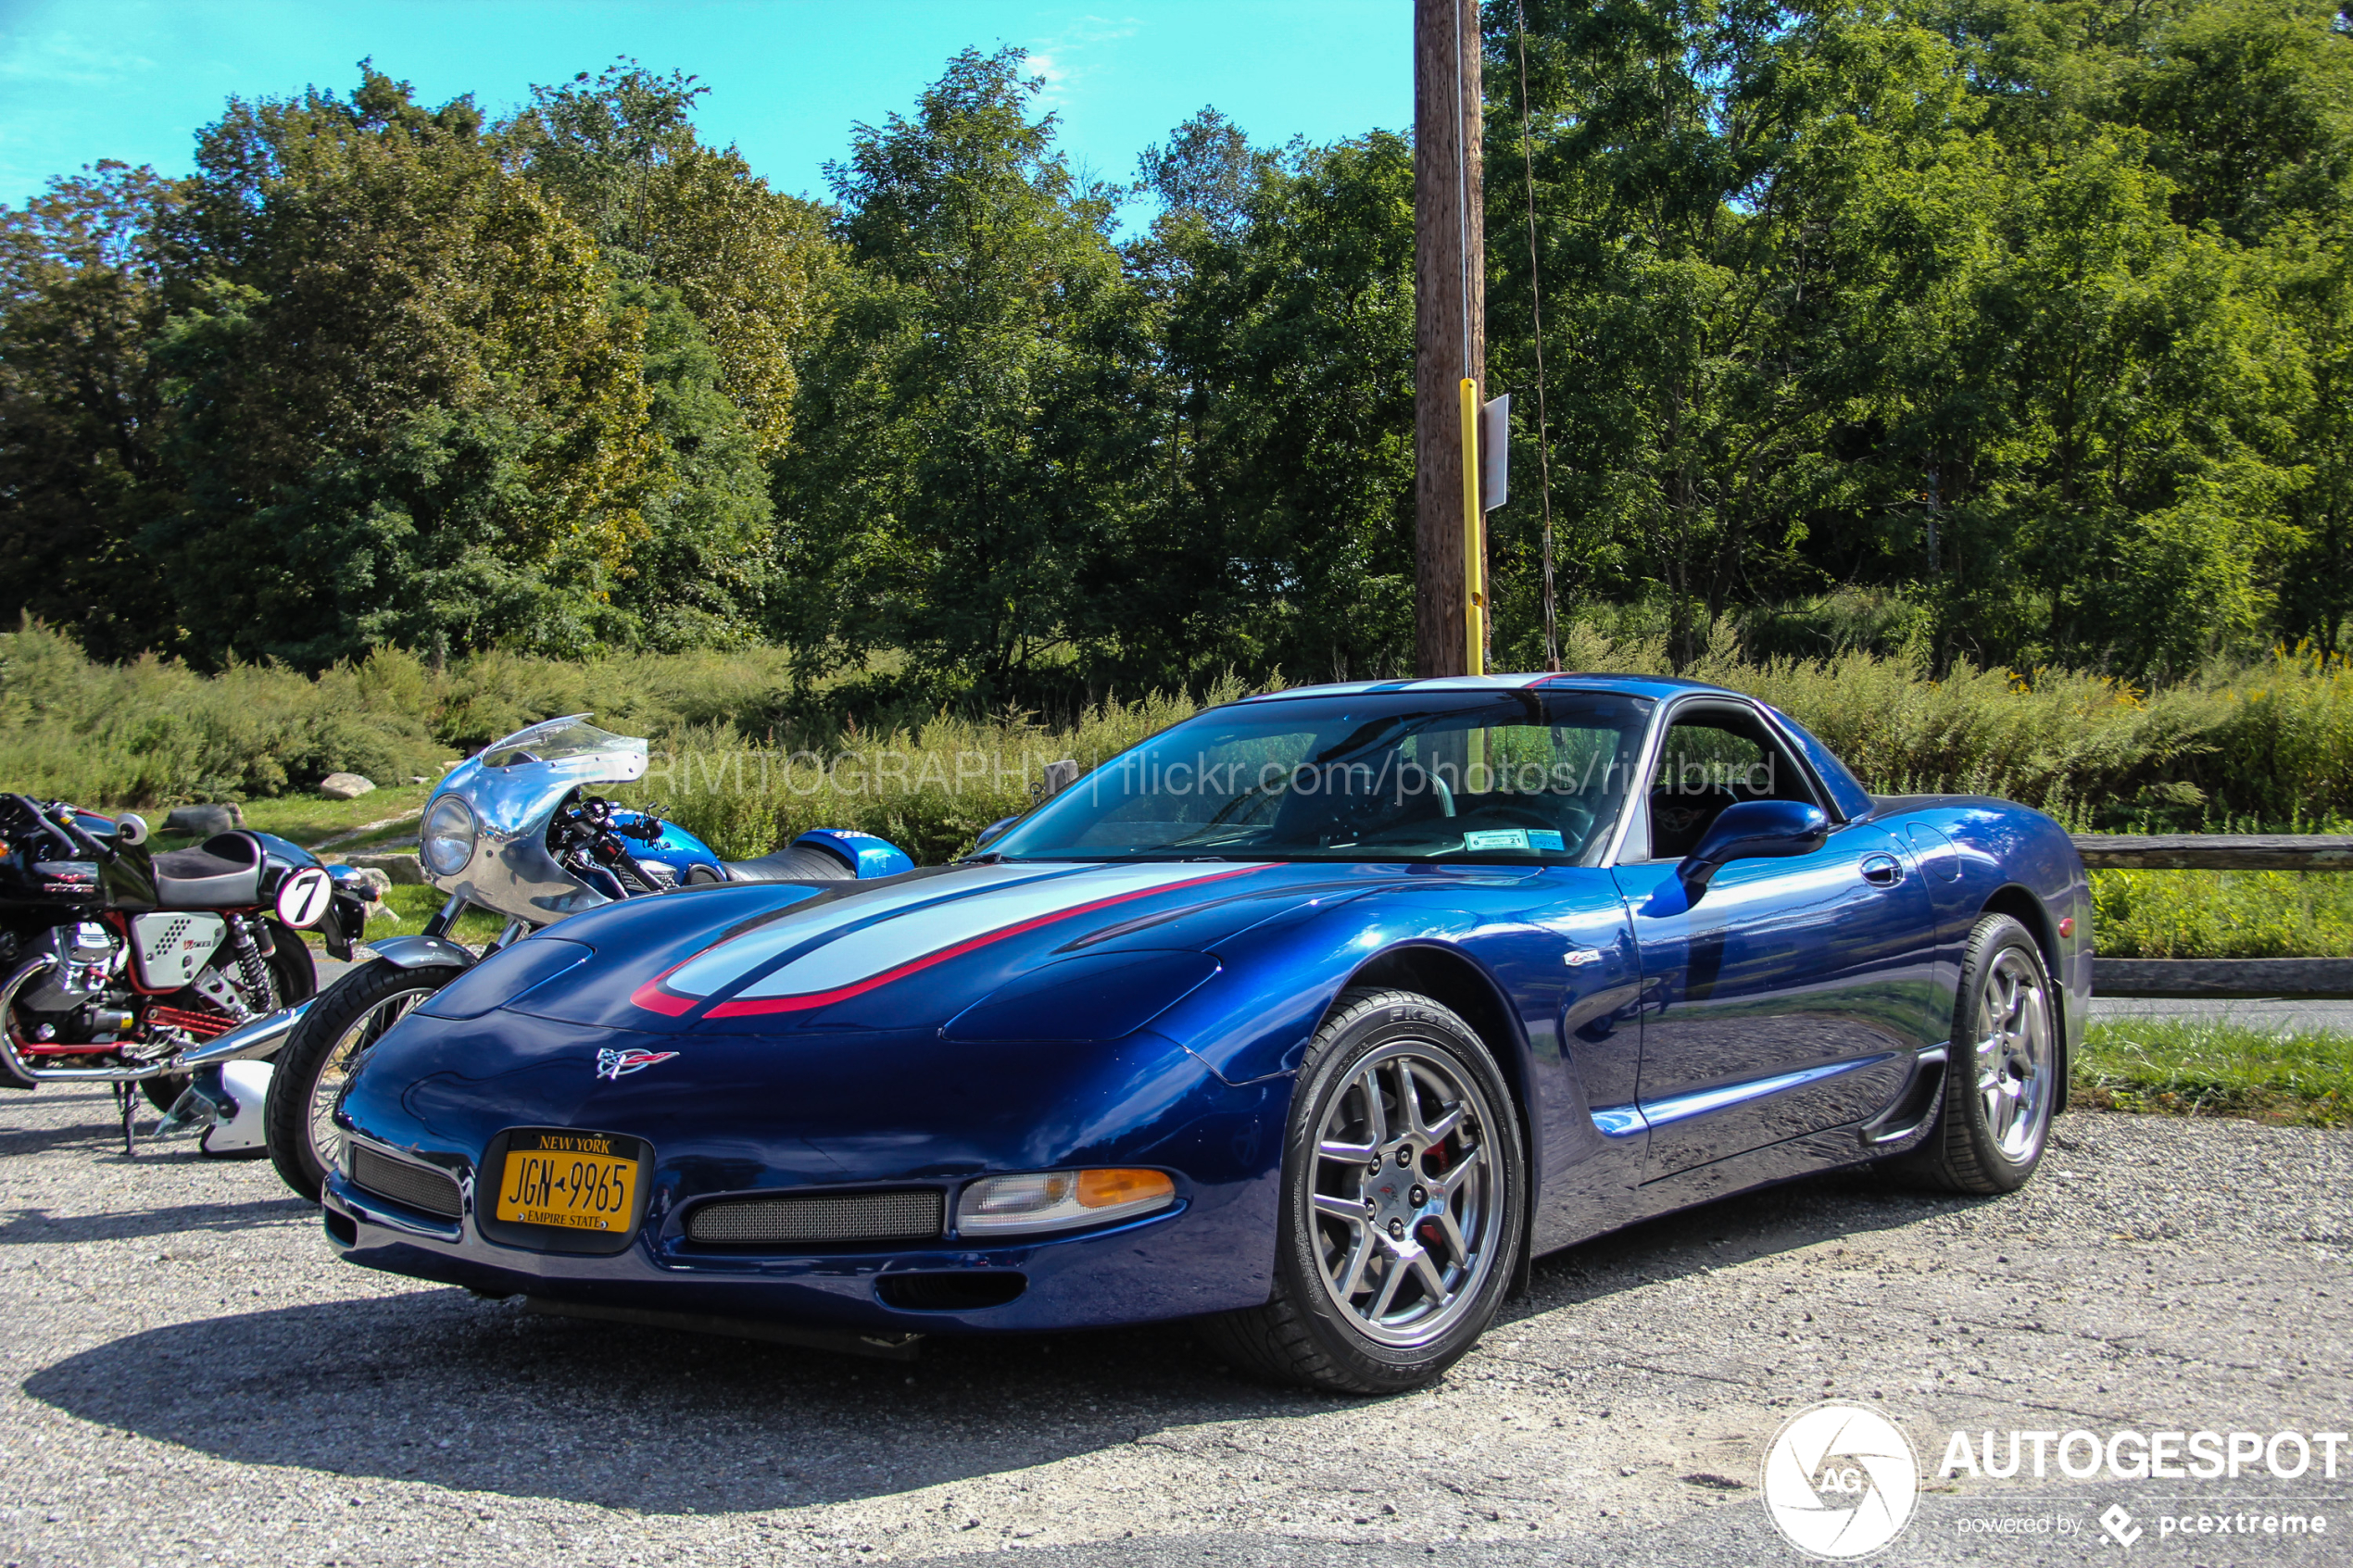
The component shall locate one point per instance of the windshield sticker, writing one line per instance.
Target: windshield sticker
(1504, 838)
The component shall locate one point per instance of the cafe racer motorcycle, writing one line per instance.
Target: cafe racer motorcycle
(126, 966)
(514, 831)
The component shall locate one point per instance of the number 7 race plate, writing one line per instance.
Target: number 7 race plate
(574, 1181)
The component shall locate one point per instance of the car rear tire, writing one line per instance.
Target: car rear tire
(2001, 1075)
(1404, 1208)
(322, 1054)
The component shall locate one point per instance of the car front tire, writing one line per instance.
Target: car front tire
(1405, 1204)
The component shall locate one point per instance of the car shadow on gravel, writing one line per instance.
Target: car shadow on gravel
(23, 1226)
(436, 1386)
(1836, 1205)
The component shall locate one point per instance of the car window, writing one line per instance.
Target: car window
(1712, 758)
(1477, 775)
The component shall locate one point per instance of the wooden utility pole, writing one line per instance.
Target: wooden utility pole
(1450, 316)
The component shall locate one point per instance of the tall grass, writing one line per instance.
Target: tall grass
(2222, 914)
(2216, 1067)
(745, 754)
(928, 788)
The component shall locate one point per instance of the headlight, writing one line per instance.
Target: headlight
(1057, 1200)
(447, 841)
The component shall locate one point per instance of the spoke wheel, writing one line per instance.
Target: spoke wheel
(2013, 1053)
(1405, 1210)
(325, 1053)
(2002, 1078)
(1405, 1204)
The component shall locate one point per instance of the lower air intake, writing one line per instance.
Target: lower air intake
(410, 1185)
(866, 1216)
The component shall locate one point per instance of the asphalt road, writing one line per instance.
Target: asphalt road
(189, 1377)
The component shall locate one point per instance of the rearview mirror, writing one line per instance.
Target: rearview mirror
(1752, 830)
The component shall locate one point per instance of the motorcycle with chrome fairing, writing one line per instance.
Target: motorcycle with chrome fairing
(515, 831)
(178, 972)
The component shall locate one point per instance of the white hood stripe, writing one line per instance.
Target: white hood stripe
(719, 966)
(867, 951)
(994, 917)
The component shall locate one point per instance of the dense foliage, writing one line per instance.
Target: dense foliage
(1995, 333)
(384, 374)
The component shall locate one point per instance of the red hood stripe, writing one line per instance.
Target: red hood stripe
(747, 1006)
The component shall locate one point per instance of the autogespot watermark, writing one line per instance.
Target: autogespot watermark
(1841, 1482)
(2145, 1456)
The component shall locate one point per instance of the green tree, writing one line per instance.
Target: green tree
(703, 574)
(621, 156)
(365, 281)
(1726, 193)
(81, 463)
(1275, 530)
(966, 445)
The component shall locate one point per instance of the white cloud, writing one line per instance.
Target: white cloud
(1064, 60)
(61, 58)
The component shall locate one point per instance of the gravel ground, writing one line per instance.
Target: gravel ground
(191, 1378)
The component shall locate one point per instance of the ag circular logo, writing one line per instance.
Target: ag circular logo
(1840, 1482)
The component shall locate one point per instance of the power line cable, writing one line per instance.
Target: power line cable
(1536, 311)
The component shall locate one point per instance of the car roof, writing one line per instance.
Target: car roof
(1653, 687)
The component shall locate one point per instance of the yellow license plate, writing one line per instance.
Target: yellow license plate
(575, 1181)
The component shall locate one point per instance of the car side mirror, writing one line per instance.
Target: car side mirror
(1752, 830)
(993, 828)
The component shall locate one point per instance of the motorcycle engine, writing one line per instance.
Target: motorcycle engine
(87, 954)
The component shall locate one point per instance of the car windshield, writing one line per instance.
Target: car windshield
(1521, 776)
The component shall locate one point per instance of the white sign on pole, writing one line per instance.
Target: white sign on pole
(1495, 453)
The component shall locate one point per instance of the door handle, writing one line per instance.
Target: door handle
(1882, 870)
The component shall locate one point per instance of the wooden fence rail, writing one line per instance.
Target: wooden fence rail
(2216, 851)
(2220, 852)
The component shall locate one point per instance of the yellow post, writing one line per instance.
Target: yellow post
(1474, 556)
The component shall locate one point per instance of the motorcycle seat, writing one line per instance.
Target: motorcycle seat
(221, 872)
(795, 862)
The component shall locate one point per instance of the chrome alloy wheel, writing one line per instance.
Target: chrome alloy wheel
(343, 1063)
(2013, 1054)
(1408, 1202)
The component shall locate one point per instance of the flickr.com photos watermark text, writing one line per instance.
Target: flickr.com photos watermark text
(884, 770)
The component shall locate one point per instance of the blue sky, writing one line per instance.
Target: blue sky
(82, 80)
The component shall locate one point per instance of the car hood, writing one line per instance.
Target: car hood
(1051, 950)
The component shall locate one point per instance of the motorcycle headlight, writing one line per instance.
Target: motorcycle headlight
(448, 840)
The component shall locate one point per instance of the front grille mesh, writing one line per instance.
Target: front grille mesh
(406, 1184)
(866, 1216)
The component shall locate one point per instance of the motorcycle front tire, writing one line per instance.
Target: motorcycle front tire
(325, 1049)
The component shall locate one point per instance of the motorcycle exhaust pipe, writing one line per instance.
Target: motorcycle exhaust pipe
(260, 1037)
(12, 1068)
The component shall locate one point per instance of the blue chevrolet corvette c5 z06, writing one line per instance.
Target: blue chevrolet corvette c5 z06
(1312, 1018)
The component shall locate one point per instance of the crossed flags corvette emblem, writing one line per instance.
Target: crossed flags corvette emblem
(614, 1064)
